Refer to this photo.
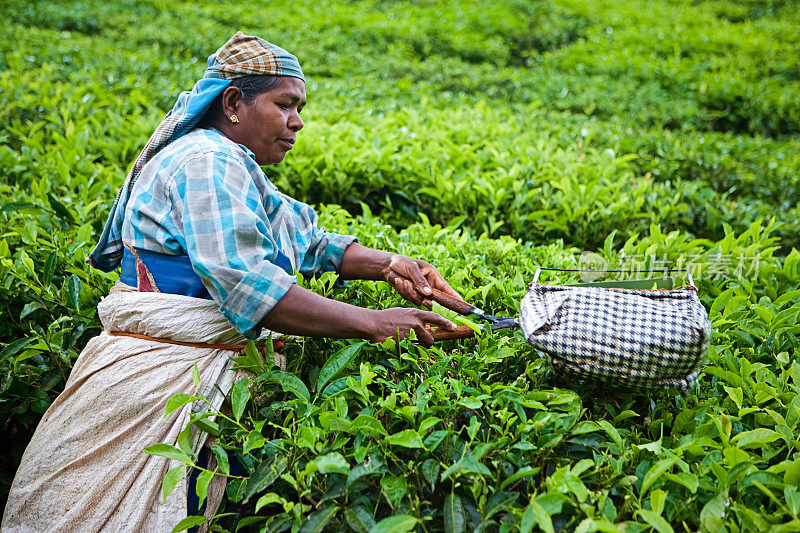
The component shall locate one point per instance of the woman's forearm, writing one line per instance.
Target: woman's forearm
(360, 262)
(413, 278)
(302, 312)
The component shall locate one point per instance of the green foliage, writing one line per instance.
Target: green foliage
(488, 141)
(466, 434)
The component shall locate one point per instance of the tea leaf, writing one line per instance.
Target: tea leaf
(315, 523)
(407, 438)
(369, 425)
(196, 376)
(50, 267)
(500, 501)
(359, 519)
(170, 452)
(222, 459)
(203, 479)
(171, 480)
(395, 524)
(395, 488)
(189, 522)
(240, 395)
(74, 288)
(332, 463)
(265, 475)
(536, 515)
(252, 361)
(755, 438)
(288, 382)
(177, 401)
(13, 348)
(454, 520)
(334, 366)
(655, 521)
(655, 472)
(267, 499)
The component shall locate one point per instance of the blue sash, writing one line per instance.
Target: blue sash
(174, 274)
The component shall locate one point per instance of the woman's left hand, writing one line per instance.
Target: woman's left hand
(414, 278)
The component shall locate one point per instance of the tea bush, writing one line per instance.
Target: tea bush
(489, 141)
(473, 435)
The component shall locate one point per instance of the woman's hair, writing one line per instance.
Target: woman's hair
(251, 86)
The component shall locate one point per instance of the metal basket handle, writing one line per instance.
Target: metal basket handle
(665, 271)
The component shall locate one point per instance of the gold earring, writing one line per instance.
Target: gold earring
(234, 119)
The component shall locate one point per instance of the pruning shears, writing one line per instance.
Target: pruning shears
(466, 309)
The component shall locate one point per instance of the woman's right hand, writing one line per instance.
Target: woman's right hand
(398, 322)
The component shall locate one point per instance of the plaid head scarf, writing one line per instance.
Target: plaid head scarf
(242, 55)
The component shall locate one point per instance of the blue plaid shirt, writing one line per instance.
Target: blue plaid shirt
(206, 197)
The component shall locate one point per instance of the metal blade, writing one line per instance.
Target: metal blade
(504, 323)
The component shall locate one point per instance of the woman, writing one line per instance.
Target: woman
(205, 242)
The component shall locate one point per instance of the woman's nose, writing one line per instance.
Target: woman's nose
(295, 123)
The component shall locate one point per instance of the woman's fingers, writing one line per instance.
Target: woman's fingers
(398, 322)
(421, 284)
(437, 320)
(436, 280)
(409, 269)
(414, 278)
(406, 289)
(424, 336)
(445, 287)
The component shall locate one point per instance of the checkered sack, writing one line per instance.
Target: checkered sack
(641, 338)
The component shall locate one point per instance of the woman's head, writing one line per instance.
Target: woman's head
(261, 113)
(260, 107)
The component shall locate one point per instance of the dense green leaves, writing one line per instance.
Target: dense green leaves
(488, 142)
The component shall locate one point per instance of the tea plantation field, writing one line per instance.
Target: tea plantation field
(488, 138)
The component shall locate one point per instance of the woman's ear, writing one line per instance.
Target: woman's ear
(231, 101)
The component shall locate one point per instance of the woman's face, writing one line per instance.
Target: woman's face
(268, 125)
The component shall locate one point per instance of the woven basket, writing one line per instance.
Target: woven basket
(651, 339)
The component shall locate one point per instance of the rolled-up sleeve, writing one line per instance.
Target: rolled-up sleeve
(229, 239)
(324, 250)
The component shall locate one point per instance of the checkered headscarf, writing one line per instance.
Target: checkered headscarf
(242, 55)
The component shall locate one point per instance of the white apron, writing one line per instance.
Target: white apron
(84, 469)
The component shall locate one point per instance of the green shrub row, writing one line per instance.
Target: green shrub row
(517, 171)
(488, 140)
(476, 435)
(477, 426)
(713, 66)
